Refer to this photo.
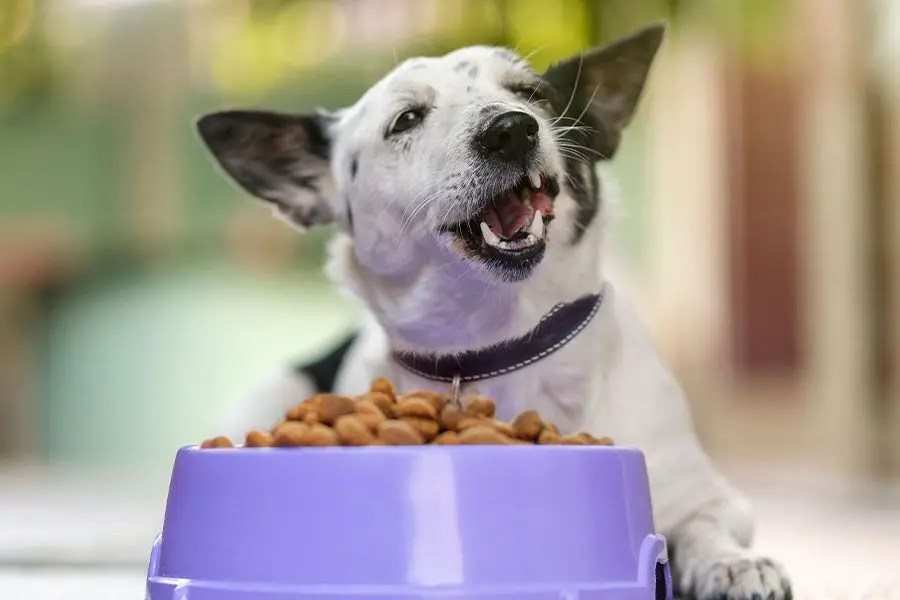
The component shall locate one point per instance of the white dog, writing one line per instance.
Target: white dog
(470, 220)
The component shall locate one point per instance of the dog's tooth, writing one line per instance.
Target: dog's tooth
(534, 177)
(525, 195)
(489, 236)
(537, 225)
(504, 245)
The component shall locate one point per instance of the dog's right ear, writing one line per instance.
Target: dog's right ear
(282, 159)
(602, 86)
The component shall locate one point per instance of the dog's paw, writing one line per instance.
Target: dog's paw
(741, 578)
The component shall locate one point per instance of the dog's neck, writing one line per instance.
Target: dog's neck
(452, 308)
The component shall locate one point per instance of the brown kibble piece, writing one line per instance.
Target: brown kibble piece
(483, 434)
(586, 437)
(259, 439)
(436, 399)
(603, 441)
(351, 431)
(572, 440)
(382, 401)
(320, 435)
(367, 407)
(316, 400)
(384, 386)
(371, 421)
(548, 437)
(553, 428)
(427, 428)
(528, 425)
(416, 407)
(300, 411)
(217, 442)
(399, 433)
(448, 438)
(479, 406)
(503, 427)
(291, 433)
(450, 418)
(334, 406)
(469, 422)
(369, 414)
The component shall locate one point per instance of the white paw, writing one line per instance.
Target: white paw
(741, 578)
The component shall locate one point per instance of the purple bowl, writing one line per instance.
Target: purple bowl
(491, 522)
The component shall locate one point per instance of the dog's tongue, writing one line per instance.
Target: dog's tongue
(507, 216)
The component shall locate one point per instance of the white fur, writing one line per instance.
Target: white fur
(424, 293)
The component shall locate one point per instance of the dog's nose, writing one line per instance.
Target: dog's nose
(511, 136)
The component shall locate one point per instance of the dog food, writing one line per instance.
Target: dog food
(382, 417)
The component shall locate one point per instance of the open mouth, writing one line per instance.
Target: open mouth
(511, 229)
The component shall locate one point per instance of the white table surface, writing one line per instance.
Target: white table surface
(68, 536)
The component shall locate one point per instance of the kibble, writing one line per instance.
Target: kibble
(352, 431)
(336, 406)
(399, 433)
(382, 417)
(384, 386)
(259, 439)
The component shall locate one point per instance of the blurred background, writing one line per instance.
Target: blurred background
(140, 293)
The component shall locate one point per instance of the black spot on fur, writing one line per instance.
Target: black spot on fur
(306, 182)
(323, 371)
(579, 129)
(585, 189)
(473, 71)
(507, 55)
(469, 89)
(462, 66)
(354, 167)
(349, 214)
(256, 181)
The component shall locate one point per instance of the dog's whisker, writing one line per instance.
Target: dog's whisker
(574, 86)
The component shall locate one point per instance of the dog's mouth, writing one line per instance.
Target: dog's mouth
(511, 229)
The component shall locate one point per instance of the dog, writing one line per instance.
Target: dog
(470, 218)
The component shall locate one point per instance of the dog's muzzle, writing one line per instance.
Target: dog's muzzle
(511, 137)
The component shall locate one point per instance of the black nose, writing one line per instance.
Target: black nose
(511, 136)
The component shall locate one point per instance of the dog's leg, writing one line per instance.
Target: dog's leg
(708, 525)
(712, 560)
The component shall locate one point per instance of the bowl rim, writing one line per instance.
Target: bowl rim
(378, 450)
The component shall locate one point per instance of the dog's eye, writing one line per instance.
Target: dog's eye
(406, 121)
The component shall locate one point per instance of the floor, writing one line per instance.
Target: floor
(66, 536)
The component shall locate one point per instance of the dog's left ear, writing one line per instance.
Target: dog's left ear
(282, 159)
(604, 85)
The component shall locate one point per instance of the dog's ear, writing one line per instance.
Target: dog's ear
(282, 159)
(601, 87)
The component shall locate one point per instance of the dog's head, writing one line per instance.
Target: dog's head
(472, 158)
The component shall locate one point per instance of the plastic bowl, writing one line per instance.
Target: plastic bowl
(385, 523)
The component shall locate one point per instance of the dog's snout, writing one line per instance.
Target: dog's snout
(512, 136)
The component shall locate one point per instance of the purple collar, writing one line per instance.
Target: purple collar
(555, 329)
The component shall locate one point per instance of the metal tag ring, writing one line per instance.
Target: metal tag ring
(457, 384)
